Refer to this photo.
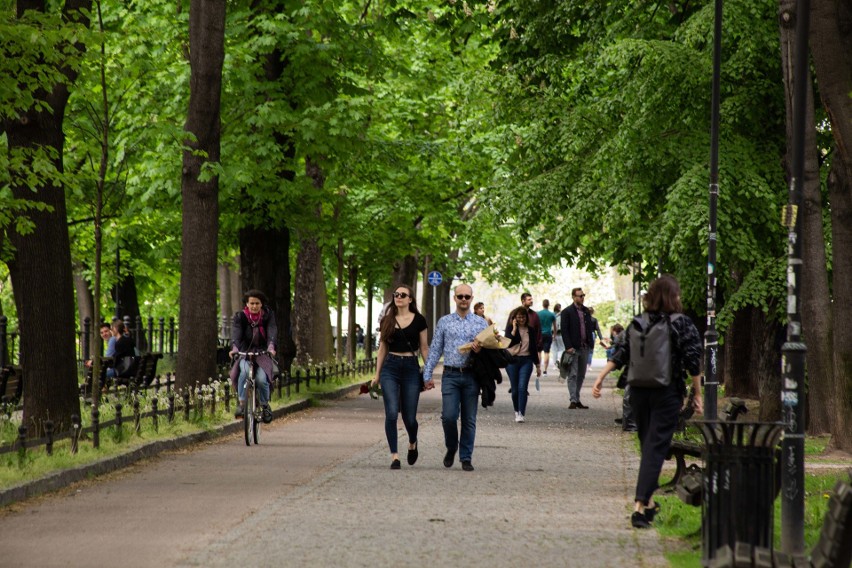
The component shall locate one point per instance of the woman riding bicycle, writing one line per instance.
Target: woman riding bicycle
(254, 329)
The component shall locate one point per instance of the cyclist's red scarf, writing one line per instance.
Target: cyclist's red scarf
(256, 322)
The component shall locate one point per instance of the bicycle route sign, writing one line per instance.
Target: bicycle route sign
(435, 278)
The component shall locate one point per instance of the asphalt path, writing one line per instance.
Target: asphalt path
(553, 491)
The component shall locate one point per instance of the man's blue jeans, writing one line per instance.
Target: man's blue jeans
(260, 383)
(459, 391)
(519, 377)
(577, 374)
(400, 380)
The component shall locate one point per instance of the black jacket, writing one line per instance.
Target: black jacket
(486, 367)
(570, 324)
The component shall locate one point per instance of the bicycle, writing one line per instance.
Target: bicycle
(252, 412)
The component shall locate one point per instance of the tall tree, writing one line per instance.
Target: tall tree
(41, 267)
(200, 193)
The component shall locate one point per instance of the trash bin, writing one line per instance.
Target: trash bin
(740, 462)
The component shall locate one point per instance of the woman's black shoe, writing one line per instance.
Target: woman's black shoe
(395, 464)
(639, 521)
(412, 455)
(651, 512)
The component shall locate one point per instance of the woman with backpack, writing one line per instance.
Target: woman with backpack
(660, 347)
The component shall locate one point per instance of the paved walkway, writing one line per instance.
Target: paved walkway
(554, 491)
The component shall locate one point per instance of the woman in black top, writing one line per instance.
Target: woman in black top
(656, 410)
(403, 332)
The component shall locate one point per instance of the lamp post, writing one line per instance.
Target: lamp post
(793, 350)
(711, 336)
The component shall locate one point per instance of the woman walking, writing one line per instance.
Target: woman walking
(656, 409)
(522, 345)
(403, 333)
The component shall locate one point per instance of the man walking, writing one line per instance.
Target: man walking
(577, 329)
(548, 330)
(459, 389)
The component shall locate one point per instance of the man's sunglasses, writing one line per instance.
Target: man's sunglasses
(402, 295)
(463, 296)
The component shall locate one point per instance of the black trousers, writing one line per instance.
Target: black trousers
(656, 412)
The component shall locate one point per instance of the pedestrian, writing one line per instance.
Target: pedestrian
(404, 333)
(254, 329)
(577, 335)
(532, 318)
(459, 389)
(656, 409)
(558, 344)
(479, 309)
(522, 348)
(547, 319)
(596, 328)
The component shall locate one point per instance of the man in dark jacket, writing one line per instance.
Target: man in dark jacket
(577, 334)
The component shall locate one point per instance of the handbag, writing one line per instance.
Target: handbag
(410, 348)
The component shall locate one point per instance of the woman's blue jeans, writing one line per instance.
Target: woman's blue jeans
(519, 377)
(400, 380)
(260, 383)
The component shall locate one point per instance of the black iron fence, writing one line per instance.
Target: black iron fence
(161, 400)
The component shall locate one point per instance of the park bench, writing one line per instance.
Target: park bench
(832, 550)
(11, 387)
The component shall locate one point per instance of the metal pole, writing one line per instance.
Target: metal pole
(434, 307)
(711, 336)
(793, 350)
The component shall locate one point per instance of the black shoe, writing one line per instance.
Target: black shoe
(582, 406)
(412, 455)
(266, 414)
(651, 512)
(240, 411)
(639, 521)
(628, 429)
(395, 464)
(449, 458)
(619, 420)
(572, 406)
(466, 465)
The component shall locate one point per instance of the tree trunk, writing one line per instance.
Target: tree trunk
(226, 309)
(352, 341)
(41, 268)
(817, 326)
(740, 375)
(404, 272)
(338, 336)
(236, 287)
(130, 309)
(85, 301)
(265, 256)
(200, 197)
(767, 337)
(831, 44)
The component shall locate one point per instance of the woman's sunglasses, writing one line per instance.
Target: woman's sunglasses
(402, 295)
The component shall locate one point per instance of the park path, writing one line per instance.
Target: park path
(554, 491)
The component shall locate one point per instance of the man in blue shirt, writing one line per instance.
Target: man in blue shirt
(459, 389)
(548, 329)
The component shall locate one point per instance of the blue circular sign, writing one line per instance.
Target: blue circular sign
(435, 278)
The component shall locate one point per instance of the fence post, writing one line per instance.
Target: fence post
(308, 378)
(199, 401)
(96, 427)
(75, 435)
(118, 417)
(298, 378)
(87, 338)
(185, 397)
(22, 441)
(281, 379)
(155, 419)
(4, 322)
(228, 395)
(150, 334)
(212, 401)
(287, 374)
(171, 399)
(161, 331)
(48, 431)
(171, 336)
(137, 332)
(137, 416)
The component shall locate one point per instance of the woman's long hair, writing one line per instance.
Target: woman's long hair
(389, 320)
(516, 311)
(663, 296)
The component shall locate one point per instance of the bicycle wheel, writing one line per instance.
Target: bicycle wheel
(257, 420)
(249, 419)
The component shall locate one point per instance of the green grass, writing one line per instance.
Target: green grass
(680, 524)
(16, 469)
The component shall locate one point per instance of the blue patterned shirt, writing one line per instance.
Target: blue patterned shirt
(452, 332)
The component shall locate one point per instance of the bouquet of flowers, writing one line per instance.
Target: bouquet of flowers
(374, 391)
(489, 338)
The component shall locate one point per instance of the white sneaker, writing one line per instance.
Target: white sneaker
(520, 418)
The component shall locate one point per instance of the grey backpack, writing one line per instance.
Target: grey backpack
(651, 351)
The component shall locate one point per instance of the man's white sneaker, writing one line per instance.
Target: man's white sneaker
(521, 418)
